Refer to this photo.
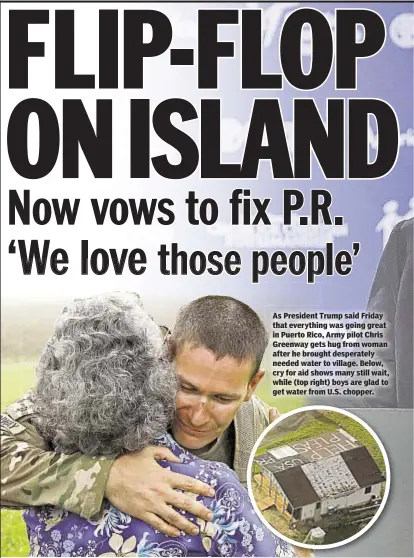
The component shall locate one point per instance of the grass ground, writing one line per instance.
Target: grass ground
(16, 379)
(13, 534)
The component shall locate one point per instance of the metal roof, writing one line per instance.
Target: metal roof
(330, 477)
(363, 467)
(297, 487)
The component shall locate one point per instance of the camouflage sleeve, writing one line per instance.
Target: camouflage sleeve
(32, 475)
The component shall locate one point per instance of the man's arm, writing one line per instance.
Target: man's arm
(32, 475)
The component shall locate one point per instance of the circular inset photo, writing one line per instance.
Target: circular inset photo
(318, 477)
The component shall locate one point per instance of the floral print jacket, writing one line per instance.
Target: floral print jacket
(234, 531)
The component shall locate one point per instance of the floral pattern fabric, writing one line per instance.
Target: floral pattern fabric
(235, 529)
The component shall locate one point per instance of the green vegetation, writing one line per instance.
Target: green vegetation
(281, 524)
(13, 534)
(282, 404)
(16, 379)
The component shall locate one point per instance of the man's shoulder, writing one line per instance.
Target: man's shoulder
(23, 407)
(259, 404)
(256, 410)
(250, 421)
(14, 418)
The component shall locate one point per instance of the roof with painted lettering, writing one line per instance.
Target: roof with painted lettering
(326, 466)
(307, 451)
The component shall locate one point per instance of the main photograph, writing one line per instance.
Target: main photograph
(207, 223)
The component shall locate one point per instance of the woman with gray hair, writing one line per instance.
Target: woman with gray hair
(105, 387)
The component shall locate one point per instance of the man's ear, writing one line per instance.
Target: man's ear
(253, 384)
(169, 347)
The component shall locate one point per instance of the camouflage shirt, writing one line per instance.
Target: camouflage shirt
(32, 474)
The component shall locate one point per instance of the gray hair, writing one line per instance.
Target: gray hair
(103, 384)
(225, 326)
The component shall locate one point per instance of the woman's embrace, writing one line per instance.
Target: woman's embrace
(105, 387)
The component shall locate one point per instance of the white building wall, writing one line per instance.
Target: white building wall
(308, 511)
(375, 491)
(356, 498)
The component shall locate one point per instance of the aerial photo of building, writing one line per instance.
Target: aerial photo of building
(327, 485)
(321, 474)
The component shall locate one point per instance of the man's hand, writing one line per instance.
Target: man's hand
(273, 415)
(140, 487)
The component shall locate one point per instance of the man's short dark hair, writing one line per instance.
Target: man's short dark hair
(223, 325)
